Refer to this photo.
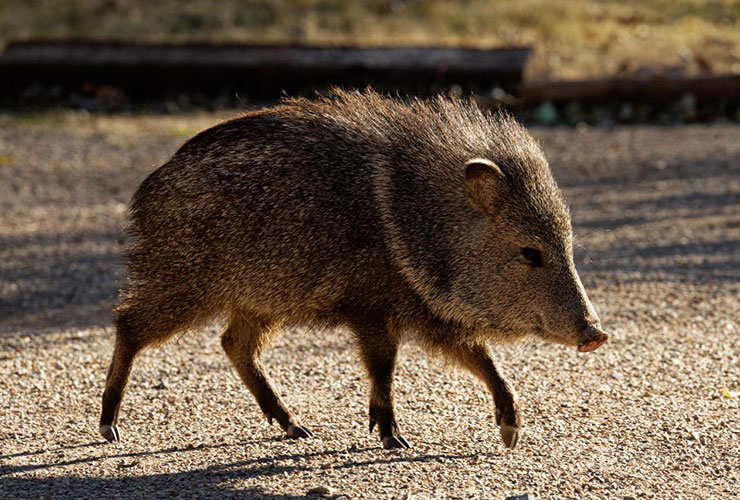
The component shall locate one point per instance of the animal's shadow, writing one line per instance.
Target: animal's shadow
(209, 482)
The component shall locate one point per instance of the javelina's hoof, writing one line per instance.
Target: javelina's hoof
(299, 432)
(510, 435)
(111, 433)
(509, 431)
(393, 442)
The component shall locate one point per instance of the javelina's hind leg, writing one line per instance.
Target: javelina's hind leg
(477, 359)
(115, 385)
(137, 326)
(378, 350)
(145, 319)
(243, 341)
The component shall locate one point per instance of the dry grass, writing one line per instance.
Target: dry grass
(573, 39)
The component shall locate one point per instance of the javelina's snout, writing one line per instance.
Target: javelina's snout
(592, 337)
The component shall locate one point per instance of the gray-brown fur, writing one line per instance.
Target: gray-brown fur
(360, 211)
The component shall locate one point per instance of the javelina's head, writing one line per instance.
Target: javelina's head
(480, 228)
(520, 245)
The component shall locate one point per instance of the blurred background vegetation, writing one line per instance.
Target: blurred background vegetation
(572, 39)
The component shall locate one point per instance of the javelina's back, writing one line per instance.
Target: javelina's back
(361, 211)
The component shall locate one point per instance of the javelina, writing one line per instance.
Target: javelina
(361, 211)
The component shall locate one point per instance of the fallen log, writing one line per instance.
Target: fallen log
(657, 90)
(258, 70)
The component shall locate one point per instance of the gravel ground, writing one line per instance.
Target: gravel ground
(657, 215)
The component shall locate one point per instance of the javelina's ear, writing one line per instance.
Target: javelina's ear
(486, 184)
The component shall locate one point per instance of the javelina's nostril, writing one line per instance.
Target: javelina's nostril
(592, 337)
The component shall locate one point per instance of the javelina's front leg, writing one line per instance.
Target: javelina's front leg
(378, 350)
(477, 359)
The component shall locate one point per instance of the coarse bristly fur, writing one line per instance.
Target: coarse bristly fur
(357, 210)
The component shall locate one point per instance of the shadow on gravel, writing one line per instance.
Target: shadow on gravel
(652, 216)
(210, 482)
(662, 209)
(698, 263)
(58, 280)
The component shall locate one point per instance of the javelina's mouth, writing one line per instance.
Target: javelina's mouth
(592, 338)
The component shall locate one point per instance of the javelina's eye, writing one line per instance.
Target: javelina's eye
(532, 256)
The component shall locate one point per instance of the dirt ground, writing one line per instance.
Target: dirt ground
(656, 213)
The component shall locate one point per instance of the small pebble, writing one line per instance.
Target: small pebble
(321, 490)
(124, 465)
